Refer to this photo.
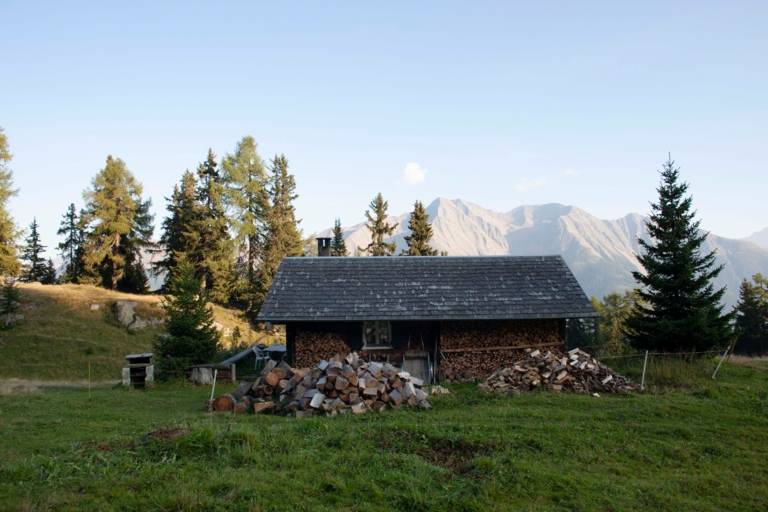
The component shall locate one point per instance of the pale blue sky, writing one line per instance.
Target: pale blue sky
(502, 103)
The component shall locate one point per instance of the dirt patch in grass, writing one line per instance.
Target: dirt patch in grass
(167, 434)
(453, 454)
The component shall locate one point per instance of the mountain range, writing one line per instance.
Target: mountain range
(601, 253)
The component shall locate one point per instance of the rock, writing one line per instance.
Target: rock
(126, 311)
(95, 307)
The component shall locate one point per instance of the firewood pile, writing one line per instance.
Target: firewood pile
(576, 371)
(312, 347)
(339, 385)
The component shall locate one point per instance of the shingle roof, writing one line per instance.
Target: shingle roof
(424, 288)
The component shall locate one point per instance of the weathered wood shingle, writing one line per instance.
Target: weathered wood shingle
(424, 288)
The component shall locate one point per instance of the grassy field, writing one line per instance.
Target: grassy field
(60, 334)
(700, 449)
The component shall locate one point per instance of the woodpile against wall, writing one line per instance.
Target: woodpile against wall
(471, 350)
(312, 347)
(338, 385)
(576, 371)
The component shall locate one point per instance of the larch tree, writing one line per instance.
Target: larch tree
(421, 233)
(71, 247)
(379, 228)
(248, 201)
(338, 245)
(679, 308)
(212, 252)
(33, 267)
(118, 226)
(282, 236)
(9, 260)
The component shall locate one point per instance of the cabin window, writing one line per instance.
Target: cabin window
(377, 334)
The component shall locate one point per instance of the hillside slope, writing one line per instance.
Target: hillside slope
(67, 326)
(600, 252)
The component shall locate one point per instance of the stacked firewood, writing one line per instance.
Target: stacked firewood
(576, 371)
(338, 385)
(312, 347)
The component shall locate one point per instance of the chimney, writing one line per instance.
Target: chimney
(323, 246)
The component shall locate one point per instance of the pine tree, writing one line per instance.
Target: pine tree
(10, 302)
(212, 251)
(421, 233)
(338, 245)
(679, 310)
(49, 273)
(32, 254)
(9, 260)
(282, 237)
(191, 337)
(613, 311)
(71, 249)
(379, 228)
(247, 197)
(119, 225)
(752, 317)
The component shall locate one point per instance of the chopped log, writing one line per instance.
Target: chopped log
(263, 406)
(224, 402)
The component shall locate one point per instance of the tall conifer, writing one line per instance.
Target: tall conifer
(179, 237)
(752, 317)
(679, 310)
(71, 248)
(9, 260)
(33, 268)
(379, 228)
(421, 233)
(338, 245)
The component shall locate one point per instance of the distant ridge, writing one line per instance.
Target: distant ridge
(600, 252)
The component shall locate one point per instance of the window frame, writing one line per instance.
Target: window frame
(377, 327)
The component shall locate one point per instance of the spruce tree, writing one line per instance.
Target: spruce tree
(33, 268)
(752, 317)
(421, 233)
(179, 238)
(379, 228)
(49, 273)
(71, 248)
(282, 237)
(9, 260)
(680, 309)
(119, 225)
(338, 245)
(247, 198)
(191, 336)
(212, 252)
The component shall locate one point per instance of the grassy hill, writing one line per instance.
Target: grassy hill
(67, 326)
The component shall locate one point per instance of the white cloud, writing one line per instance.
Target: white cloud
(526, 184)
(571, 172)
(414, 174)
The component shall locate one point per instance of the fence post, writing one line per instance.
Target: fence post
(213, 387)
(645, 364)
(722, 358)
(89, 379)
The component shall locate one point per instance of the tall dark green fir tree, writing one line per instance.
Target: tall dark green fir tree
(338, 245)
(421, 233)
(33, 262)
(379, 228)
(71, 248)
(179, 238)
(680, 309)
(752, 317)
(49, 273)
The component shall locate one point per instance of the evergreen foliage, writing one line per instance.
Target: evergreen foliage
(178, 239)
(191, 336)
(421, 233)
(9, 261)
(10, 302)
(679, 310)
(33, 268)
(71, 248)
(379, 228)
(248, 201)
(49, 273)
(282, 236)
(752, 317)
(119, 225)
(338, 245)
(614, 311)
(208, 243)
